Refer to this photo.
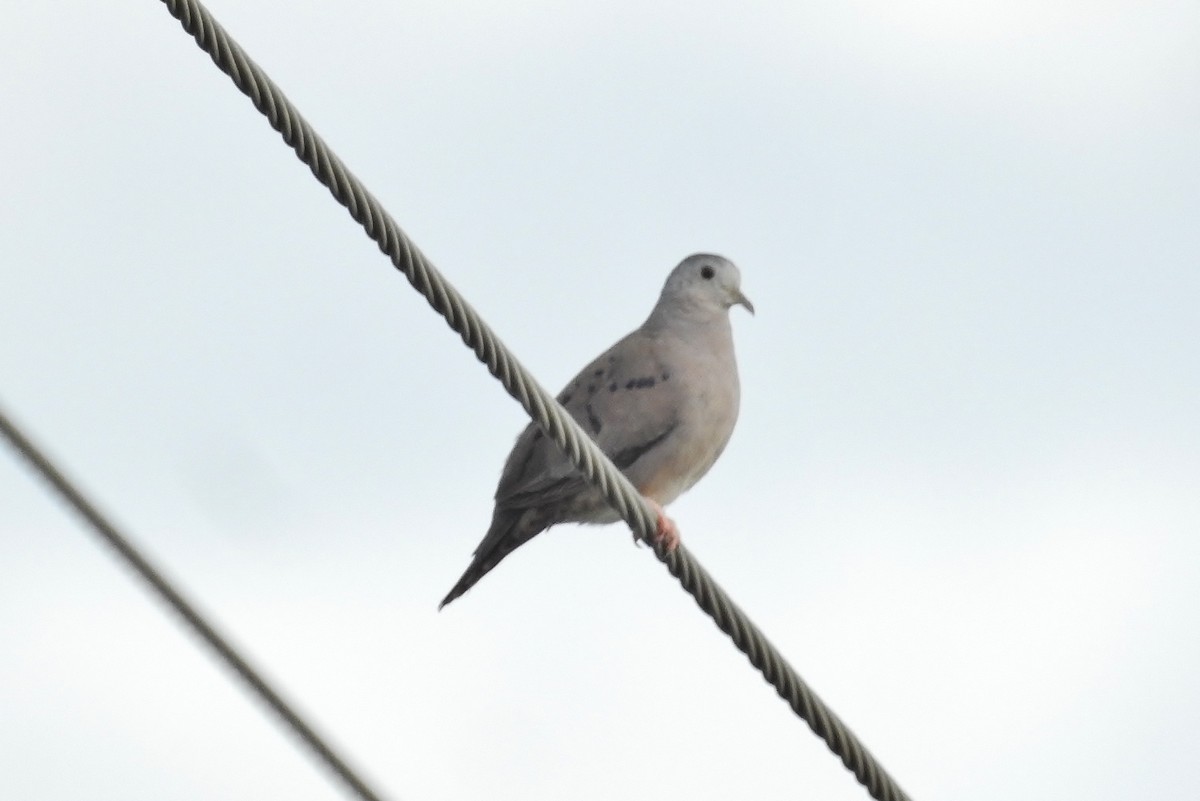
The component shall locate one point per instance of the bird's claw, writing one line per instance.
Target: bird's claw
(666, 533)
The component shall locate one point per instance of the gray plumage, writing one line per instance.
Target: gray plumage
(661, 403)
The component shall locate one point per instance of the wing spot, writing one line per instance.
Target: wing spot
(593, 420)
(612, 387)
(625, 458)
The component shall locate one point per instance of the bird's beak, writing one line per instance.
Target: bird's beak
(739, 298)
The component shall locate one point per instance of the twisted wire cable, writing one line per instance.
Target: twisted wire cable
(537, 402)
(174, 598)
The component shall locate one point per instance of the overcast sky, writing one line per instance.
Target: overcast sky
(963, 497)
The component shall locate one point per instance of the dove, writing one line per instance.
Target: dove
(661, 404)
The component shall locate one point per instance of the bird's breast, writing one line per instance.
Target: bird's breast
(707, 418)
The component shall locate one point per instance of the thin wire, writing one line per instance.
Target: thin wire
(519, 383)
(207, 632)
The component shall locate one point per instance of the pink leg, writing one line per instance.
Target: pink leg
(667, 534)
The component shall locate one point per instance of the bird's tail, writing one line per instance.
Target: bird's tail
(508, 532)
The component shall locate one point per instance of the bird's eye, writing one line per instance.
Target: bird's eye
(707, 272)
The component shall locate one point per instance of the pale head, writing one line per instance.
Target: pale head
(703, 285)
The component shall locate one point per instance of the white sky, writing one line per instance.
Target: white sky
(963, 497)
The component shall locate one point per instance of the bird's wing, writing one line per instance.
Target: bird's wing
(627, 400)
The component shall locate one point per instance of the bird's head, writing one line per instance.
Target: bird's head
(704, 283)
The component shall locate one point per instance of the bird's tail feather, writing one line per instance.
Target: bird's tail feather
(506, 534)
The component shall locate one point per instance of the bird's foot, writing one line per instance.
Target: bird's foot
(666, 533)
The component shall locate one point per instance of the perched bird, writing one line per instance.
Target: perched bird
(661, 403)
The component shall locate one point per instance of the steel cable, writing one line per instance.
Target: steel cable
(536, 401)
(174, 598)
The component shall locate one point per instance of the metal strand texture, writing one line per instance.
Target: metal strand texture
(537, 402)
